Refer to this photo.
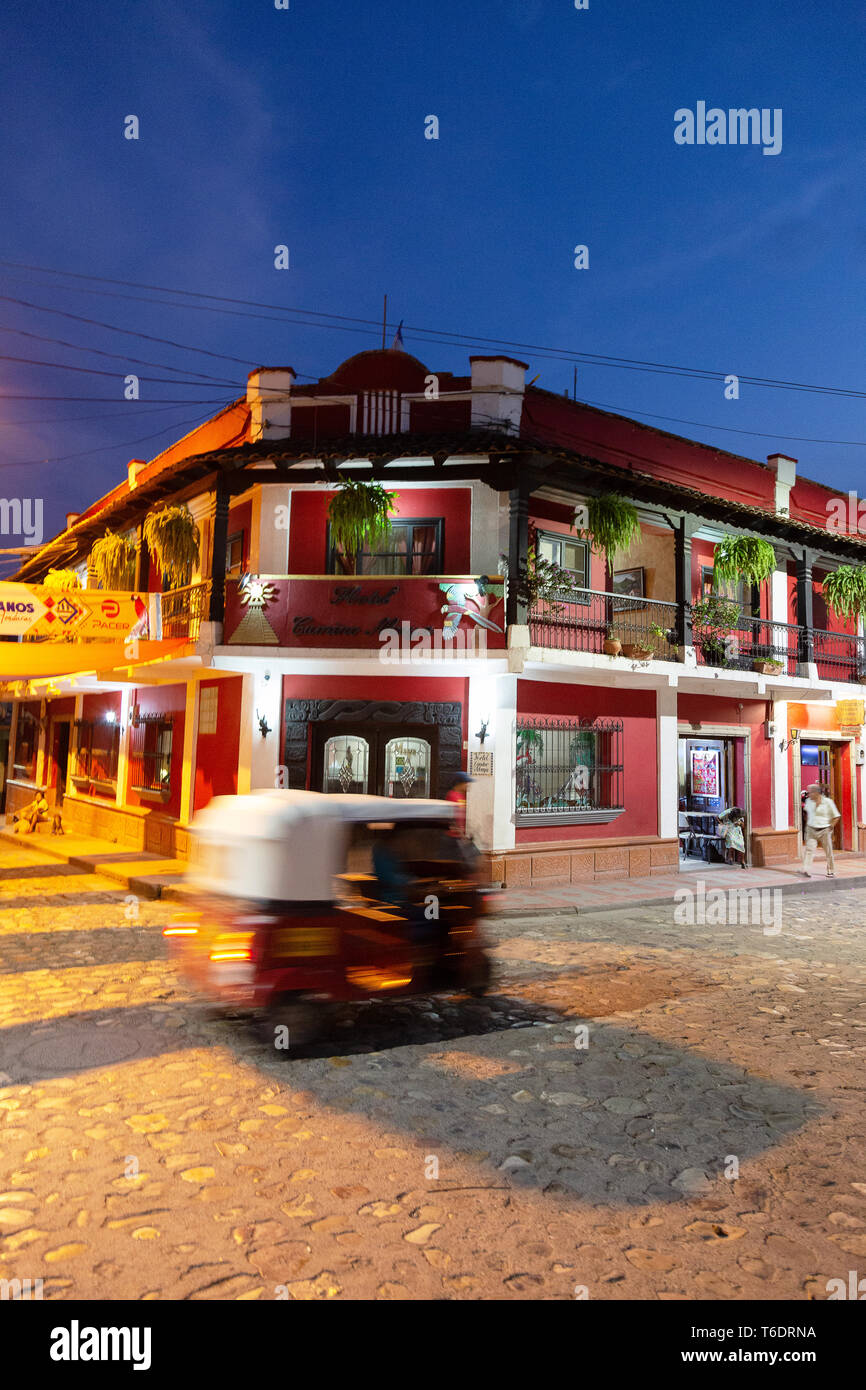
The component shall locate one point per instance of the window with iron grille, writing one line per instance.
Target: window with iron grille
(150, 753)
(568, 771)
(96, 751)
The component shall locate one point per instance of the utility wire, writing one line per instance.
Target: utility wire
(104, 448)
(455, 338)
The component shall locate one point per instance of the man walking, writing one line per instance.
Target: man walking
(821, 816)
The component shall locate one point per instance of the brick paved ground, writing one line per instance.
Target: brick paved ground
(709, 1141)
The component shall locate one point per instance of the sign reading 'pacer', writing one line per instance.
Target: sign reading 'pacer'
(737, 126)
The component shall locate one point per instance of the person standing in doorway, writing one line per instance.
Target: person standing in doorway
(733, 824)
(822, 813)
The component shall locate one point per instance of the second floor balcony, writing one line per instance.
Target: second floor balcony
(651, 630)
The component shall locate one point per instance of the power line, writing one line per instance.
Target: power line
(447, 337)
(96, 371)
(729, 429)
(102, 449)
(116, 356)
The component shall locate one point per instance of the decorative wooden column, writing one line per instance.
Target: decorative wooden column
(218, 564)
(142, 563)
(518, 548)
(805, 606)
(685, 529)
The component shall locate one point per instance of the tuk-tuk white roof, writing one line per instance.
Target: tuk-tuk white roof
(357, 808)
(288, 845)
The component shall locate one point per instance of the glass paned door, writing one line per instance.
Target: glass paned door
(386, 760)
(346, 764)
(407, 767)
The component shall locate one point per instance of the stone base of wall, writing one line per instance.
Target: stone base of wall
(772, 847)
(120, 825)
(557, 862)
(134, 827)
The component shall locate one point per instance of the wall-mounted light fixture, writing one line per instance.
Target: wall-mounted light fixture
(786, 743)
(482, 732)
(264, 726)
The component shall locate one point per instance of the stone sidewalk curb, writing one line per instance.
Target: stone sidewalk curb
(128, 875)
(797, 885)
(165, 886)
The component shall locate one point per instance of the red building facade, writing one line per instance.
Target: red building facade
(290, 669)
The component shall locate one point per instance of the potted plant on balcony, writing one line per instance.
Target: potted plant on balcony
(359, 514)
(612, 644)
(612, 524)
(715, 618)
(766, 665)
(542, 582)
(667, 635)
(61, 579)
(172, 537)
(636, 651)
(113, 561)
(844, 590)
(743, 557)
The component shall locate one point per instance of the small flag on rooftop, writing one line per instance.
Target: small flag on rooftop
(398, 339)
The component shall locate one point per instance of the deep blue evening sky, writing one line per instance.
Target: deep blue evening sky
(306, 127)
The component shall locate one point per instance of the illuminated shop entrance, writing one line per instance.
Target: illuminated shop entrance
(712, 779)
(822, 762)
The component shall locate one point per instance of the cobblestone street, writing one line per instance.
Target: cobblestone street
(707, 1142)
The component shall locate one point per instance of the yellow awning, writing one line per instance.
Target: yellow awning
(21, 661)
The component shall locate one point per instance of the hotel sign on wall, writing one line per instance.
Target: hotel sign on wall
(354, 612)
(850, 716)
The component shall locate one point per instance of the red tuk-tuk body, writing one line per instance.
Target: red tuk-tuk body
(301, 899)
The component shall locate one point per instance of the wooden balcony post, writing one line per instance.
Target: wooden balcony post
(805, 607)
(518, 548)
(142, 563)
(217, 609)
(685, 529)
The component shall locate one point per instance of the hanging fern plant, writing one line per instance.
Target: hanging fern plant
(743, 557)
(612, 524)
(172, 537)
(113, 561)
(359, 514)
(61, 579)
(845, 590)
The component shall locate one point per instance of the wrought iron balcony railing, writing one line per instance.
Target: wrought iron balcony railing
(184, 610)
(583, 621)
(839, 656)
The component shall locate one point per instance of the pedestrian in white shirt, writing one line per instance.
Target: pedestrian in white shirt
(821, 816)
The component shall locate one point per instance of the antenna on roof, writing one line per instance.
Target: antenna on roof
(574, 387)
(384, 321)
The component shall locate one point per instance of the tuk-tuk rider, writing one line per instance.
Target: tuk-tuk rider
(457, 797)
(394, 884)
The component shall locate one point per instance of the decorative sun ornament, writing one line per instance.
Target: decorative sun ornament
(255, 592)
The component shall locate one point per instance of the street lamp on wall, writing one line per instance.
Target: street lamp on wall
(786, 743)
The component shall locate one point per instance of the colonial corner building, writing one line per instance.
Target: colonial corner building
(288, 663)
